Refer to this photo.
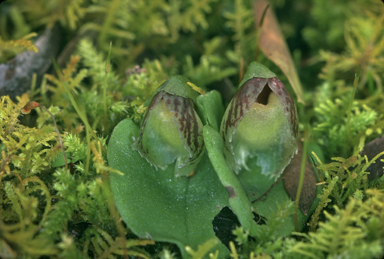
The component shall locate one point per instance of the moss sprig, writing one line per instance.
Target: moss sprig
(68, 13)
(12, 47)
(27, 151)
(212, 66)
(364, 46)
(353, 232)
(332, 113)
(241, 22)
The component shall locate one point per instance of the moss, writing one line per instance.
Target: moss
(67, 211)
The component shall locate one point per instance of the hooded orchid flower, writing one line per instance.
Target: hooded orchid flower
(260, 123)
(171, 131)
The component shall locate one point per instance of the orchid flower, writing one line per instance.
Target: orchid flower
(260, 123)
(171, 131)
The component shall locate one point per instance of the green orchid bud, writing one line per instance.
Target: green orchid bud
(171, 131)
(260, 123)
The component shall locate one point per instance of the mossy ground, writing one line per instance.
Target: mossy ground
(52, 211)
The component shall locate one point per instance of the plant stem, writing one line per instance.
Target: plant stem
(238, 200)
(355, 83)
(107, 67)
(58, 134)
(301, 180)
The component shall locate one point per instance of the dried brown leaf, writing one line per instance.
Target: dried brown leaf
(273, 45)
(29, 107)
(371, 150)
(291, 176)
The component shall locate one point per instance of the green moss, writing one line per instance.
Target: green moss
(47, 210)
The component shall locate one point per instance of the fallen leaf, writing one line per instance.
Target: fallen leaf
(291, 177)
(274, 47)
(29, 107)
(372, 149)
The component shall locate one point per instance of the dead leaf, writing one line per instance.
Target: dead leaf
(372, 149)
(29, 107)
(291, 177)
(273, 45)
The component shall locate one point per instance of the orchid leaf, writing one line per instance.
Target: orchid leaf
(155, 204)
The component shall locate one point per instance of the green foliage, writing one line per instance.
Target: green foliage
(58, 213)
(324, 200)
(242, 23)
(144, 193)
(24, 231)
(268, 243)
(20, 29)
(12, 47)
(95, 64)
(33, 221)
(331, 111)
(332, 20)
(203, 249)
(130, 24)
(344, 178)
(75, 147)
(87, 100)
(351, 176)
(276, 221)
(66, 190)
(30, 221)
(364, 46)
(140, 84)
(26, 151)
(353, 232)
(68, 13)
(212, 66)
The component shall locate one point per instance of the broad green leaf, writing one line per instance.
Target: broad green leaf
(155, 204)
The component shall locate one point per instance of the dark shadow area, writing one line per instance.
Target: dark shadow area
(226, 221)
